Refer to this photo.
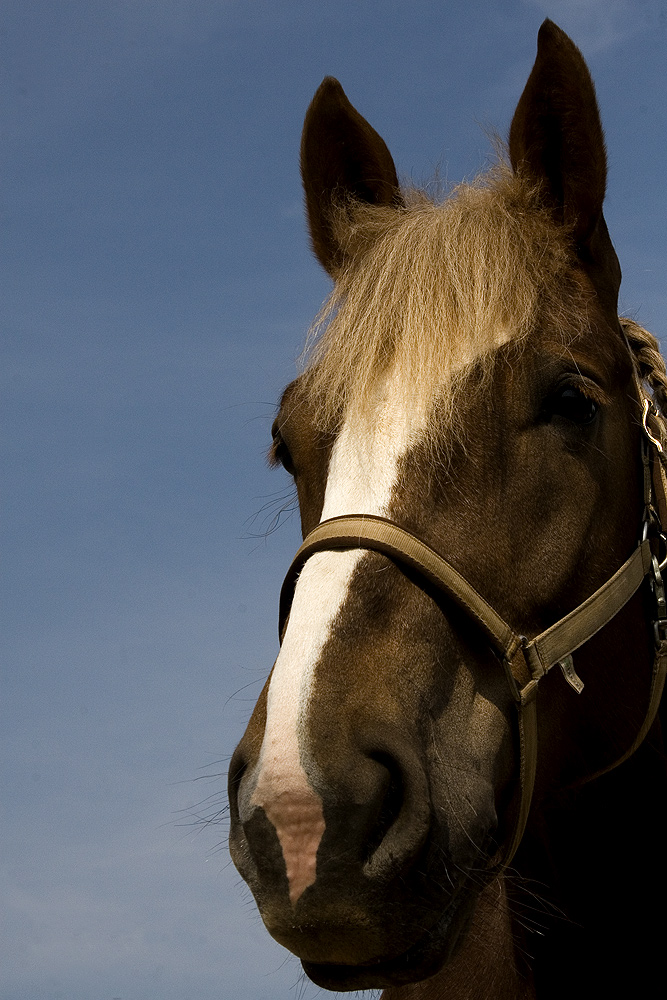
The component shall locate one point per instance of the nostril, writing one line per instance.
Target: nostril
(390, 807)
(403, 820)
(237, 769)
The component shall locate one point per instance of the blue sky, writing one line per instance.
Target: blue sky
(158, 287)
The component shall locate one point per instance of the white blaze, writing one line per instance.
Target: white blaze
(362, 472)
(363, 469)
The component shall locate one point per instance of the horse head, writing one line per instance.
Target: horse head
(472, 385)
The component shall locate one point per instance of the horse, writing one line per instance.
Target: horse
(454, 782)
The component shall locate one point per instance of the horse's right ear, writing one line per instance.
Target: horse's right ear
(342, 158)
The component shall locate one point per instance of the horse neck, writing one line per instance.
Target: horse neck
(486, 965)
(599, 852)
(575, 881)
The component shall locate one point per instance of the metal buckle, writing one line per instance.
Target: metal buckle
(662, 552)
(660, 632)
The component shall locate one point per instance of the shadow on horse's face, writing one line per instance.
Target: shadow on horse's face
(376, 781)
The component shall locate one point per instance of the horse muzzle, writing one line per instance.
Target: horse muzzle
(339, 872)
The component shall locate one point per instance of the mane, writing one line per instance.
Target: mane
(429, 291)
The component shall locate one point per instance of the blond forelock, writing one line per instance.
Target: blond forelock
(428, 291)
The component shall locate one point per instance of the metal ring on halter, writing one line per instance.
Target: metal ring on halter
(662, 552)
(645, 412)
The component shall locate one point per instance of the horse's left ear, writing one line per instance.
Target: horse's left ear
(556, 140)
(342, 158)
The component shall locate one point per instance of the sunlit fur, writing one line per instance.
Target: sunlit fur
(432, 289)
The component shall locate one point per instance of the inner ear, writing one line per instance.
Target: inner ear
(342, 158)
(556, 136)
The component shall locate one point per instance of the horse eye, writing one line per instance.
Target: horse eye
(571, 404)
(279, 453)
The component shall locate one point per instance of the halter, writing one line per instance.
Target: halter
(525, 661)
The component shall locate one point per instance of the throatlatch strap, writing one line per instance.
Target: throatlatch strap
(657, 687)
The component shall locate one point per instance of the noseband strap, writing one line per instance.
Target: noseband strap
(366, 531)
(379, 534)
